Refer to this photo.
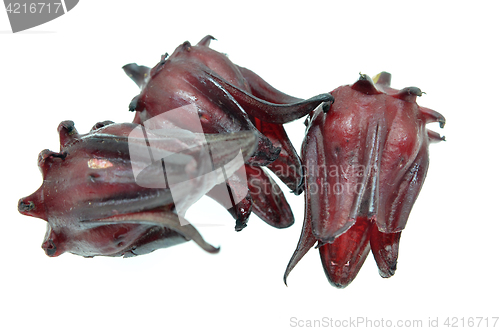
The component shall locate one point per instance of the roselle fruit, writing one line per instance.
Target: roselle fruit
(365, 159)
(105, 194)
(201, 90)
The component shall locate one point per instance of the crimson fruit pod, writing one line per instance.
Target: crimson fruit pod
(102, 194)
(366, 159)
(197, 85)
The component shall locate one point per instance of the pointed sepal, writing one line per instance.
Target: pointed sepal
(139, 74)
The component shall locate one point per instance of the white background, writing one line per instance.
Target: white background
(70, 68)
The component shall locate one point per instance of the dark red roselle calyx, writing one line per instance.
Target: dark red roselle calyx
(365, 159)
(103, 194)
(196, 82)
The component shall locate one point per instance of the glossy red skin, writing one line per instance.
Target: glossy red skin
(94, 205)
(366, 159)
(229, 98)
(269, 202)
